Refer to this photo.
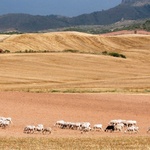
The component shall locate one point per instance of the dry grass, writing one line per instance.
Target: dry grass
(74, 72)
(59, 41)
(104, 143)
(69, 72)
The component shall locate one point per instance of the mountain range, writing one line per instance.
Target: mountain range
(127, 10)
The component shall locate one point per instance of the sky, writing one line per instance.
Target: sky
(67, 8)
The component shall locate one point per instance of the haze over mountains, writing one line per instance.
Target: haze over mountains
(127, 10)
(136, 2)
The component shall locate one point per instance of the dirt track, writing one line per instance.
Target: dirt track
(31, 108)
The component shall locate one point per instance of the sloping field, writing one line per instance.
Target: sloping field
(72, 72)
(75, 72)
(59, 41)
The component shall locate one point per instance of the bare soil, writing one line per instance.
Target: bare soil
(40, 108)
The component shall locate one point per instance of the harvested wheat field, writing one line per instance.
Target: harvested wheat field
(86, 70)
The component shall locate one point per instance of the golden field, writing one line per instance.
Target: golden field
(83, 71)
(104, 143)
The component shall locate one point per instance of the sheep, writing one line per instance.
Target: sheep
(2, 118)
(86, 129)
(132, 129)
(112, 122)
(119, 127)
(148, 130)
(39, 128)
(9, 119)
(29, 129)
(110, 128)
(85, 125)
(47, 130)
(4, 122)
(117, 121)
(131, 123)
(97, 127)
(64, 125)
(59, 123)
(77, 126)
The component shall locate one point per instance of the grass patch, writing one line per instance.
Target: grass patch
(71, 51)
(114, 54)
(100, 143)
(82, 90)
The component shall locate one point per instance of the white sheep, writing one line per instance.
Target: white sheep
(39, 128)
(132, 129)
(131, 123)
(148, 130)
(47, 130)
(9, 119)
(77, 125)
(119, 127)
(29, 129)
(86, 129)
(59, 123)
(4, 122)
(98, 127)
(117, 121)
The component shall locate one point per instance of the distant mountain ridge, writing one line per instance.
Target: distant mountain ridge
(127, 10)
(136, 2)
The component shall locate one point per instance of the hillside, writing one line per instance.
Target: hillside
(136, 2)
(60, 41)
(127, 10)
(61, 71)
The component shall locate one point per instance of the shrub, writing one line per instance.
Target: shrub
(71, 51)
(104, 53)
(6, 51)
(114, 54)
(122, 56)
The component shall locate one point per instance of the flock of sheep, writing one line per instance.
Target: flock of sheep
(39, 128)
(126, 126)
(129, 126)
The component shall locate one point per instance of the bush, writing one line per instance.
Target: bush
(114, 54)
(104, 53)
(6, 51)
(71, 51)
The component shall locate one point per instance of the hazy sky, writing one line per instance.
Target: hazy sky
(56, 7)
